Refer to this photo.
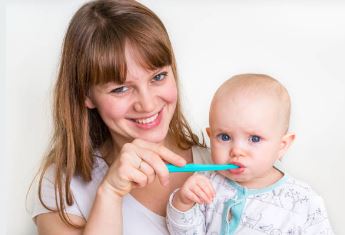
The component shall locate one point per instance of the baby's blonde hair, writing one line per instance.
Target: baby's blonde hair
(260, 84)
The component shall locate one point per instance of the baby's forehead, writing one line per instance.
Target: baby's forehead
(262, 94)
(252, 86)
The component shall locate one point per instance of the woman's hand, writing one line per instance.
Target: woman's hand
(197, 189)
(137, 165)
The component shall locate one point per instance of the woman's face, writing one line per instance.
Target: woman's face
(142, 107)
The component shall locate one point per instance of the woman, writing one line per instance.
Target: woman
(117, 120)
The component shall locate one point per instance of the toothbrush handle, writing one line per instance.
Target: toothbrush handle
(200, 167)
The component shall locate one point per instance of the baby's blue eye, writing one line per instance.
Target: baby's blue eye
(160, 76)
(224, 137)
(254, 138)
(120, 89)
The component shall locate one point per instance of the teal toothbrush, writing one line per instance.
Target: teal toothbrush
(200, 167)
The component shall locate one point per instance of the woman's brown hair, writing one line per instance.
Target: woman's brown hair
(93, 53)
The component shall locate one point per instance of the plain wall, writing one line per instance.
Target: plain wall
(301, 43)
(3, 172)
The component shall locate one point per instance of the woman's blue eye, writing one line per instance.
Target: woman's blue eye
(120, 89)
(254, 138)
(224, 137)
(160, 76)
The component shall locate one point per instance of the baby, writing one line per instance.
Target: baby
(249, 127)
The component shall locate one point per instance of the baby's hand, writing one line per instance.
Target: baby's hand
(197, 189)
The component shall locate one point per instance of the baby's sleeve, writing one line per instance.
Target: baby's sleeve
(317, 221)
(188, 222)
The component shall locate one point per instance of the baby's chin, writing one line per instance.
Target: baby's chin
(237, 176)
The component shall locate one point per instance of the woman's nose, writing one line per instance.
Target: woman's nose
(145, 101)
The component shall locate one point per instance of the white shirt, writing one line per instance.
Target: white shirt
(137, 219)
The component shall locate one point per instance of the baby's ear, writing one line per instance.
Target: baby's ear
(208, 131)
(285, 143)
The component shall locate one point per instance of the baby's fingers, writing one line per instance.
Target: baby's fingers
(207, 188)
(193, 197)
(202, 195)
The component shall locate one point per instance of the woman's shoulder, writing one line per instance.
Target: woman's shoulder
(201, 155)
(98, 171)
(83, 192)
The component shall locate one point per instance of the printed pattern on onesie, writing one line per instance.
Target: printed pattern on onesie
(288, 207)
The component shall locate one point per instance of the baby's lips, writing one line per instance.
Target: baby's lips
(237, 164)
(238, 170)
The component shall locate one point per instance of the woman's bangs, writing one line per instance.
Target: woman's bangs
(107, 59)
(151, 54)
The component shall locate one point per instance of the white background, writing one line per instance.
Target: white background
(301, 43)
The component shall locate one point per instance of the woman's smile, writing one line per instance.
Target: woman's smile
(148, 122)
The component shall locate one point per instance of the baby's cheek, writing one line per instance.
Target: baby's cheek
(218, 160)
(218, 153)
(218, 157)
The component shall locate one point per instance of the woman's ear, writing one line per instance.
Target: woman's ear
(89, 103)
(208, 131)
(285, 143)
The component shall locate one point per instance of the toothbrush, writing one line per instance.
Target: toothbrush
(200, 167)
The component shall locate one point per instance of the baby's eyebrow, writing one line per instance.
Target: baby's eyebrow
(221, 130)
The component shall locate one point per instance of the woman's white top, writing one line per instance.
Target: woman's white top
(137, 219)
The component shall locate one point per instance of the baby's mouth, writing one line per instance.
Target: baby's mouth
(240, 165)
(238, 170)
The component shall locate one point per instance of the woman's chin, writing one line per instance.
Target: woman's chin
(154, 137)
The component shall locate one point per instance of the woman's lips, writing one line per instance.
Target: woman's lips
(148, 122)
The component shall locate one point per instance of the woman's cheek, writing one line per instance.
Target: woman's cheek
(115, 109)
(172, 96)
(170, 91)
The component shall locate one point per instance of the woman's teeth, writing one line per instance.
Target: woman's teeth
(147, 120)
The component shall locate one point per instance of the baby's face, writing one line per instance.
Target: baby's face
(246, 131)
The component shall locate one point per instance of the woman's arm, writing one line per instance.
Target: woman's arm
(105, 218)
(137, 165)
(51, 224)
(106, 213)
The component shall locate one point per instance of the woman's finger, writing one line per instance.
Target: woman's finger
(137, 177)
(129, 153)
(123, 176)
(148, 171)
(138, 156)
(164, 153)
(133, 157)
(156, 163)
